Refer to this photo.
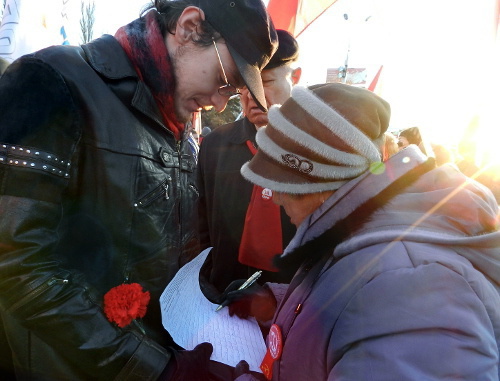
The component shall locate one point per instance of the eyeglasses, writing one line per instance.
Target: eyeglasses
(226, 90)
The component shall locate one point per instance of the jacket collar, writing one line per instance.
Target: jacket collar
(365, 188)
(243, 130)
(107, 57)
(351, 206)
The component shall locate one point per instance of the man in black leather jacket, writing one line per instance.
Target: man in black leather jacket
(98, 188)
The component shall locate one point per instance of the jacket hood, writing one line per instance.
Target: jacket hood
(442, 207)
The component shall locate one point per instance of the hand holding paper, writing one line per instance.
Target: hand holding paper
(190, 318)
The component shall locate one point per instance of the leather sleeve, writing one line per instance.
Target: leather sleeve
(39, 133)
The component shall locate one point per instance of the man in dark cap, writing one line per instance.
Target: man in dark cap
(97, 186)
(239, 221)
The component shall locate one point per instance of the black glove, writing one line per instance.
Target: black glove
(243, 368)
(223, 372)
(256, 300)
(189, 365)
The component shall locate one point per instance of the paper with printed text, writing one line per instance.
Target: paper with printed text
(190, 318)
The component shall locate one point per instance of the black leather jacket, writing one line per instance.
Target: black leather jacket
(94, 192)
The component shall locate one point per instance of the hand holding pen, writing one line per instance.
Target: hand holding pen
(249, 282)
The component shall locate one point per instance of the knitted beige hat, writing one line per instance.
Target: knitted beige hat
(322, 137)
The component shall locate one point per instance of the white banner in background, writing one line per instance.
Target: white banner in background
(30, 25)
(8, 29)
(65, 21)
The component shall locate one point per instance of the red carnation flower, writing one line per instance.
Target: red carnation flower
(124, 303)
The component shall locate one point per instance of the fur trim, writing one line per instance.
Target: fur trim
(308, 146)
(292, 188)
(325, 243)
(325, 171)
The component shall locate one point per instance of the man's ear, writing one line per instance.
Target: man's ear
(187, 24)
(296, 74)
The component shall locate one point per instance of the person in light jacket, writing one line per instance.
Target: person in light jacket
(399, 260)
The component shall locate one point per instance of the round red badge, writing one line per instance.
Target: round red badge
(273, 353)
(267, 194)
(275, 342)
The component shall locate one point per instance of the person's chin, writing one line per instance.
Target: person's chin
(184, 113)
(258, 118)
(184, 116)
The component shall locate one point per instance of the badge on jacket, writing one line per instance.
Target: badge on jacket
(273, 353)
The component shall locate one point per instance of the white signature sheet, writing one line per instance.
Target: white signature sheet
(190, 318)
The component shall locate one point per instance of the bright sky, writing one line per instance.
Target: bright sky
(109, 15)
(441, 67)
(437, 55)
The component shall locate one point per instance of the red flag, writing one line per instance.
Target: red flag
(296, 15)
(373, 85)
(496, 21)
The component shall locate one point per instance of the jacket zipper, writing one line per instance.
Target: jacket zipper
(45, 285)
(194, 189)
(298, 309)
(161, 190)
(179, 198)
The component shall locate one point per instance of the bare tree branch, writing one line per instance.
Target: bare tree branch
(87, 21)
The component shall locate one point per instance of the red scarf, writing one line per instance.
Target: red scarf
(145, 47)
(262, 238)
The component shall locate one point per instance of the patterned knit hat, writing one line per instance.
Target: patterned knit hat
(322, 137)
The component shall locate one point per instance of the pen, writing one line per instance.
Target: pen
(247, 284)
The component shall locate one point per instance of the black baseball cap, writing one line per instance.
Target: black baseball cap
(288, 50)
(250, 37)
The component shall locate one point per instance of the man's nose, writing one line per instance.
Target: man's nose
(247, 94)
(219, 102)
